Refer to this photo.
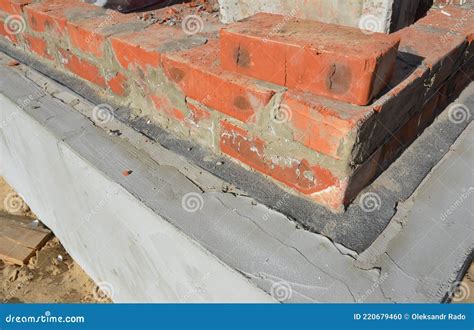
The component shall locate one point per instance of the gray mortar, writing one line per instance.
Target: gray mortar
(355, 228)
(281, 149)
(258, 242)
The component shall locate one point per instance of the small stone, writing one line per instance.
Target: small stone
(115, 132)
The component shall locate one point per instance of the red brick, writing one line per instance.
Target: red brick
(9, 36)
(38, 46)
(198, 113)
(453, 20)
(142, 49)
(322, 126)
(330, 60)
(164, 105)
(89, 35)
(342, 130)
(443, 58)
(460, 80)
(52, 15)
(82, 68)
(13, 6)
(428, 113)
(394, 108)
(390, 150)
(445, 3)
(362, 176)
(117, 84)
(197, 72)
(316, 182)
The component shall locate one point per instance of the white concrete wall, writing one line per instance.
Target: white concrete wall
(376, 14)
(134, 254)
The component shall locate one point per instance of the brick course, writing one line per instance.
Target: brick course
(307, 137)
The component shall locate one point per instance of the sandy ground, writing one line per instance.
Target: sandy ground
(51, 276)
(464, 293)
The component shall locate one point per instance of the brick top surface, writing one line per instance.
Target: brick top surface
(207, 58)
(427, 43)
(453, 19)
(319, 36)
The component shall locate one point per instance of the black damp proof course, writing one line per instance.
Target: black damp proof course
(356, 228)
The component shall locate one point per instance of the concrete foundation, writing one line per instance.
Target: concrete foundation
(375, 15)
(136, 235)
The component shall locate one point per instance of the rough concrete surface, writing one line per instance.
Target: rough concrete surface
(142, 207)
(378, 15)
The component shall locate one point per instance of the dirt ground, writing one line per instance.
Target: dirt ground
(464, 293)
(51, 276)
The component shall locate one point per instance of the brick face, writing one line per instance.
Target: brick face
(38, 46)
(197, 73)
(53, 15)
(443, 57)
(13, 7)
(320, 125)
(117, 83)
(6, 34)
(334, 61)
(82, 68)
(141, 49)
(89, 35)
(312, 180)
